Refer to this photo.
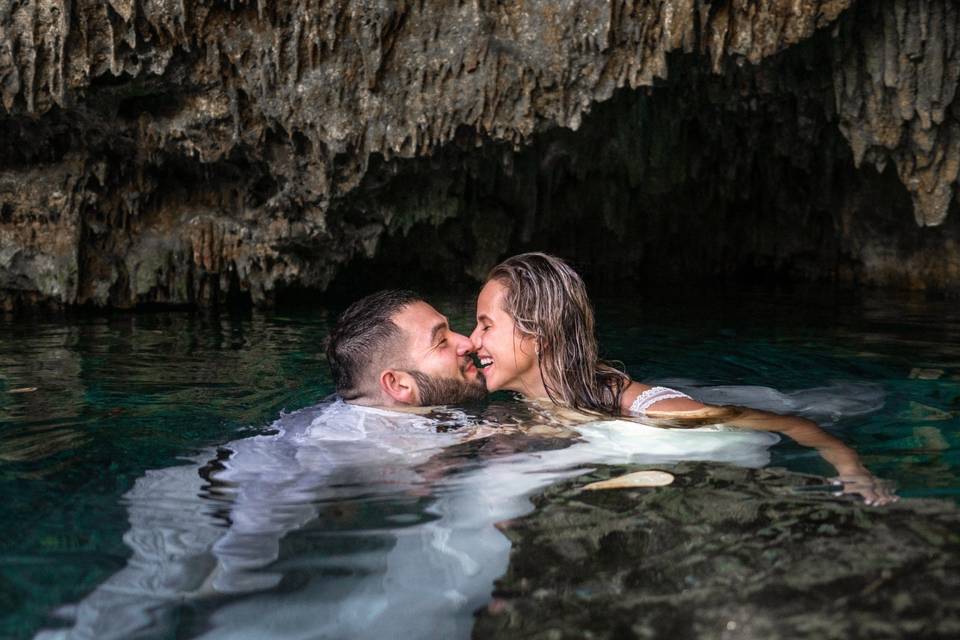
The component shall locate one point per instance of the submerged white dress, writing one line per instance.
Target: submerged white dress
(626, 440)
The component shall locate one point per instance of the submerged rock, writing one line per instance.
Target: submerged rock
(726, 552)
(196, 153)
(637, 479)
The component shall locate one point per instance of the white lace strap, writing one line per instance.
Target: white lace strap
(652, 396)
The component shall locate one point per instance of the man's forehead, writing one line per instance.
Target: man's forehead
(418, 318)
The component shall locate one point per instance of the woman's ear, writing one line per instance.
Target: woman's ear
(399, 386)
(528, 344)
(538, 346)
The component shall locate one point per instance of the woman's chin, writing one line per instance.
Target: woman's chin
(497, 383)
(500, 386)
(492, 383)
(493, 386)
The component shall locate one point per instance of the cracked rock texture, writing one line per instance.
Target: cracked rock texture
(159, 152)
(726, 552)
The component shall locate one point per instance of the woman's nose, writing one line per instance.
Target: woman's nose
(476, 338)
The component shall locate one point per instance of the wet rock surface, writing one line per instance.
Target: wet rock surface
(200, 153)
(726, 552)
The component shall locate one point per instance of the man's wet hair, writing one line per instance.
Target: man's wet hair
(363, 336)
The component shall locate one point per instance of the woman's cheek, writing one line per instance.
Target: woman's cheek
(493, 380)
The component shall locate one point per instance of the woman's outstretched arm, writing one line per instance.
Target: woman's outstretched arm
(855, 478)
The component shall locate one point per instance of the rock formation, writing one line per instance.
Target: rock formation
(196, 153)
(726, 552)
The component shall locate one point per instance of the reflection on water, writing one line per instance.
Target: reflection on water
(117, 396)
(347, 522)
(135, 446)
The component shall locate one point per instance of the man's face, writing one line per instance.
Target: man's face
(440, 360)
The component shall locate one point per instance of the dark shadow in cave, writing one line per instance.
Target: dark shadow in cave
(706, 182)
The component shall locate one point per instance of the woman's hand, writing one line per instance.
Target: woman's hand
(852, 477)
(874, 491)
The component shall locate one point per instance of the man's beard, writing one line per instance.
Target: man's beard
(434, 390)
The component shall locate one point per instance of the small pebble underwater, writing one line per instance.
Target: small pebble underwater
(177, 474)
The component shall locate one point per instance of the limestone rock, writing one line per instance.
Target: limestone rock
(635, 480)
(726, 552)
(196, 153)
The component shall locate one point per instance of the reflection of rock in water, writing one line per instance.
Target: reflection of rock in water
(40, 442)
(727, 552)
(43, 399)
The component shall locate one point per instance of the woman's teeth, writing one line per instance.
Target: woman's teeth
(479, 362)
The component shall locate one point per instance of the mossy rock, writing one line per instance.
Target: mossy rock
(726, 552)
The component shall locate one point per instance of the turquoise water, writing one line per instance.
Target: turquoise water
(89, 404)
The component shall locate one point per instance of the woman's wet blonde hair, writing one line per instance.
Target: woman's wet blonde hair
(548, 302)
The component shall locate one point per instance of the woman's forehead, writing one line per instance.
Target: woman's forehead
(490, 298)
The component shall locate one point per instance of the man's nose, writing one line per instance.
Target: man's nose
(464, 344)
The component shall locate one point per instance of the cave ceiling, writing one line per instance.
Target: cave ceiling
(160, 152)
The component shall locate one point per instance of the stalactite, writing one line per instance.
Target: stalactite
(235, 92)
(895, 86)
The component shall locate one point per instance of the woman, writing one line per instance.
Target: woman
(535, 335)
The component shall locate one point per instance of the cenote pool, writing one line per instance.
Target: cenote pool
(149, 486)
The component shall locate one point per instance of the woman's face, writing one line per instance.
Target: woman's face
(512, 358)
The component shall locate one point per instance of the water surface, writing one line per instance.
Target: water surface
(122, 395)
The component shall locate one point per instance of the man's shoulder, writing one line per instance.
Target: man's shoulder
(343, 419)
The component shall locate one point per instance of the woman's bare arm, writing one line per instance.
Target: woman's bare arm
(855, 477)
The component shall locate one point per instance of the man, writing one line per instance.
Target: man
(393, 349)
(388, 350)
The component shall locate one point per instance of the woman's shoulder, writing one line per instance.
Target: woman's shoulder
(632, 391)
(636, 391)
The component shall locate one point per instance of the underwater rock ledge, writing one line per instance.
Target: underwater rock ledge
(726, 552)
(196, 153)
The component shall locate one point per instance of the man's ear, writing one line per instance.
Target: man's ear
(399, 386)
